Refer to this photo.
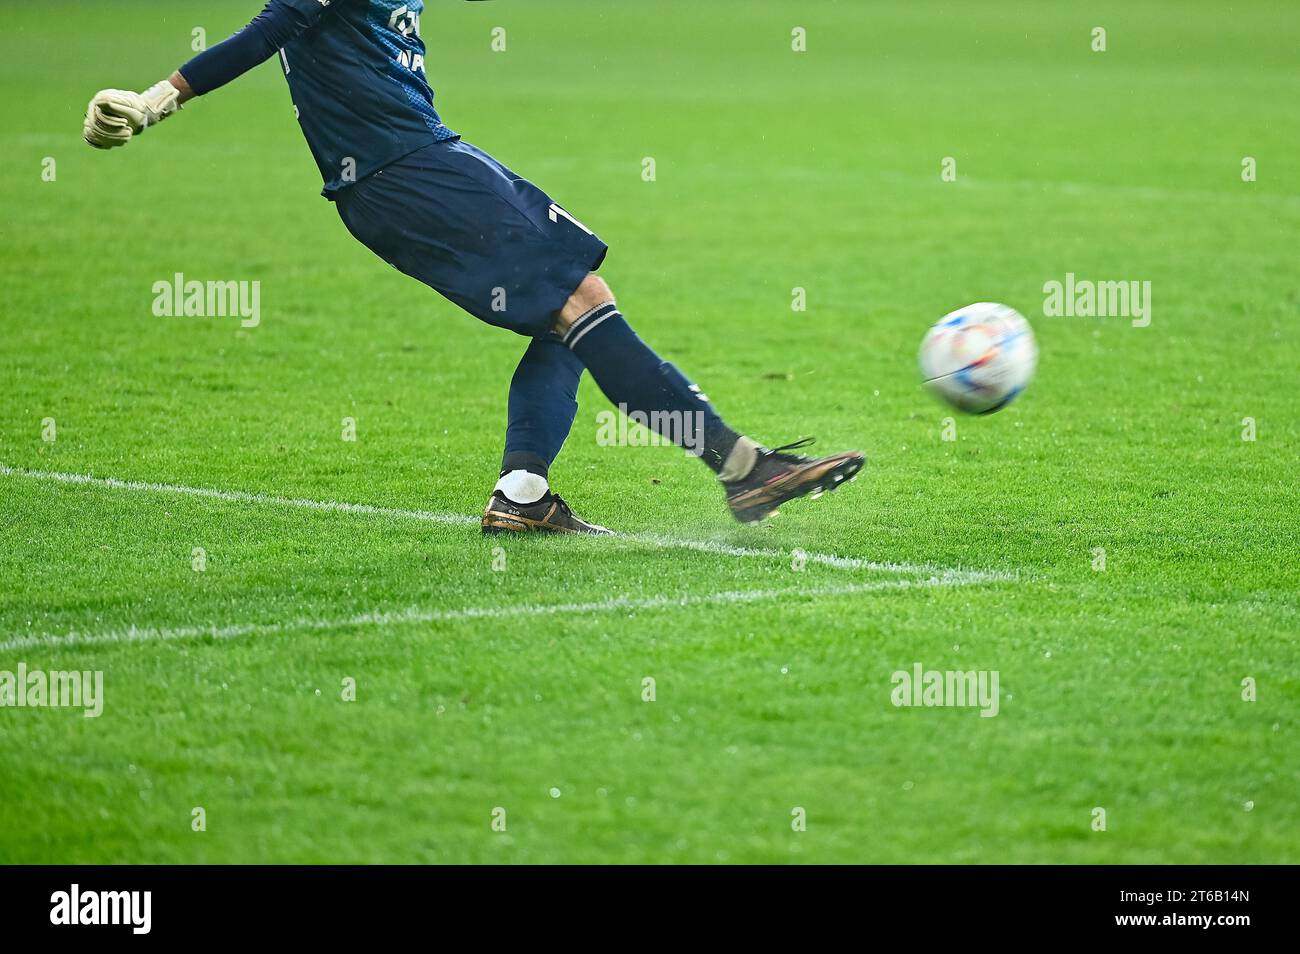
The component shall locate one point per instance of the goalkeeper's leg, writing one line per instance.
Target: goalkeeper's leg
(756, 479)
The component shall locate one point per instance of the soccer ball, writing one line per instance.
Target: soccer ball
(978, 358)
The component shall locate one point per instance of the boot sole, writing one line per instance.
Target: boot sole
(500, 523)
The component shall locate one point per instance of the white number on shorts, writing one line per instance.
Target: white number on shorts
(556, 211)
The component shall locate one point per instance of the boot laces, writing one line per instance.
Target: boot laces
(802, 442)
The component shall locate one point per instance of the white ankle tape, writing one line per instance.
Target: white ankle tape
(741, 460)
(523, 487)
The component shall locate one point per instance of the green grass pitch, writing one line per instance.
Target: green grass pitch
(1121, 689)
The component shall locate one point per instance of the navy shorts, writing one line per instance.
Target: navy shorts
(469, 228)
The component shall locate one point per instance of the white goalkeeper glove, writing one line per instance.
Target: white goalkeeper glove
(115, 115)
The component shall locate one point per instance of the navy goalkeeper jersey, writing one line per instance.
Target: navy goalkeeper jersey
(357, 79)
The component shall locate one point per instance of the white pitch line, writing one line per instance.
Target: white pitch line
(233, 496)
(950, 574)
(143, 634)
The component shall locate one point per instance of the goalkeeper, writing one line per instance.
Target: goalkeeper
(448, 214)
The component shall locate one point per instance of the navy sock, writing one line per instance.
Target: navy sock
(646, 388)
(543, 402)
